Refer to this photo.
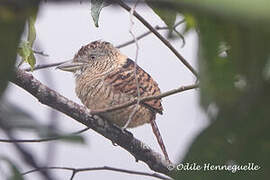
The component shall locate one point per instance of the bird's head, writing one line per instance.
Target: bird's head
(96, 58)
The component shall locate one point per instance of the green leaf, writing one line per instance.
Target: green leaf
(96, 6)
(166, 14)
(27, 54)
(73, 139)
(24, 50)
(31, 30)
(31, 60)
(15, 173)
(190, 22)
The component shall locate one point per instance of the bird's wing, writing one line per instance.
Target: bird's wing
(123, 80)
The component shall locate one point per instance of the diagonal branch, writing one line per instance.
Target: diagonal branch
(49, 65)
(143, 99)
(124, 139)
(150, 32)
(165, 41)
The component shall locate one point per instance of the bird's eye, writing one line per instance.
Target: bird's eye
(92, 57)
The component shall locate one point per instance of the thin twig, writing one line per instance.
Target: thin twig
(165, 41)
(178, 23)
(108, 168)
(132, 41)
(143, 99)
(181, 36)
(43, 139)
(43, 66)
(53, 116)
(27, 156)
(135, 67)
(49, 65)
(40, 53)
(150, 32)
(174, 30)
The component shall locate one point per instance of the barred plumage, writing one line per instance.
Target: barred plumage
(105, 77)
(104, 83)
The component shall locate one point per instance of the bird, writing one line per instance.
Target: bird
(104, 78)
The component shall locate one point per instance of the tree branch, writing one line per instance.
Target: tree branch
(143, 99)
(165, 41)
(49, 65)
(76, 170)
(43, 66)
(152, 29)
(150, 32)
(125, 139)
(43, 139)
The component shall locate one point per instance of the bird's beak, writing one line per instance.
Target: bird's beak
(70, 66)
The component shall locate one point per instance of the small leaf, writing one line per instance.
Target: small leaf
(24, 50)
(16, 175)
(96, 6)
(31, 60)
(190, 22)
(31, 30)
(27, 54)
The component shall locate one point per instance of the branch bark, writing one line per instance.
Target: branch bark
(81, 114)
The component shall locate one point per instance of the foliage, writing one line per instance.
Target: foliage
(96, 6)
(25, 49)
(234, 88)
(12, 19)
(27, 54)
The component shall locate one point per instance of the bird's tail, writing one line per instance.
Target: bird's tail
(159, 138)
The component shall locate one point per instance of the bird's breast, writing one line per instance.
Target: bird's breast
(96, 94)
